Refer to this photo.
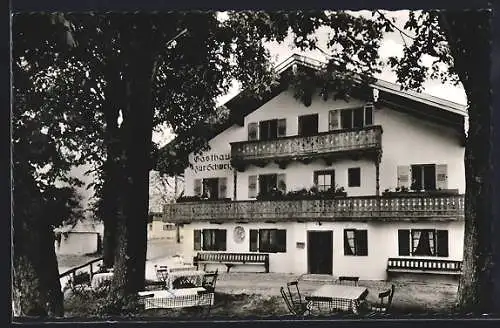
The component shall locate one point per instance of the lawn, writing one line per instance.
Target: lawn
(416, 297)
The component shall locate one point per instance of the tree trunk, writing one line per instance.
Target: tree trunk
(130, 259)
(469, 37)
(36, 285)
(112, 173)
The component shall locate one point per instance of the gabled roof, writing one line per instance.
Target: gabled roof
(418, 104)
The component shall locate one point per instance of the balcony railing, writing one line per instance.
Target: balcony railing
(348, 208)
(296, 147)
(424, 265)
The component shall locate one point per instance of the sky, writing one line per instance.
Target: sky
(392, 45)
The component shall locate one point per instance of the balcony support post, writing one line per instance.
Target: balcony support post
(235, 180)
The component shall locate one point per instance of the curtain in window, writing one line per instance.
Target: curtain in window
(432, 246)
(423, 247)
(350, 240)
(415, 241)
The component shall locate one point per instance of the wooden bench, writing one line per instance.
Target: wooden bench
(417, 265)
(231, 259)
(355, 280)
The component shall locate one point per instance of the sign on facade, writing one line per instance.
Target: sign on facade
(212, 162)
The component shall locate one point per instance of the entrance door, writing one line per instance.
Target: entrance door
(320, 251)
(308, 125)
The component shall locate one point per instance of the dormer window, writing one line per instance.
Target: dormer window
(350, 118)
(267, 130)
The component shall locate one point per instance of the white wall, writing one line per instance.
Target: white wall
(77, 243)
(382, 244)
(406, 140)
(156, 231)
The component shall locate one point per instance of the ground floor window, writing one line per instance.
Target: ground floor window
(268, 240)
(210, 240)
(355, 242)
(423, 242)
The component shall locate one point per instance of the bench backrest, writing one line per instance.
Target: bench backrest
(236, 257)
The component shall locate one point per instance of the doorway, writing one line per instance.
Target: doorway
(308, 125)
(320, 252)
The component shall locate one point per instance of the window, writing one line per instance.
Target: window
(271, 182)
(423, 176)
(210, 240)
(355, 242)
(267, 130)
(351, 118)
(168, 227)
(354, 177)
(268, 240)
(150, 227)
(423, 242)
(324, 180)
(308, 125)
(211, 188)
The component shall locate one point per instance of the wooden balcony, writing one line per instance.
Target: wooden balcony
(419, 265)
(365, 142)
(370, 208)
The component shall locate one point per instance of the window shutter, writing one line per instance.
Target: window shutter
(206, 240)
(222, 187)
(252, 186)
(281, 182)
(254, 240)
(282, 128)
(281, 240)
(197, 240)
(264, 240)
(253, 131)
(404, 242)
(333, 119)
(220, 239)
(362, 242)
(442, 176)
(404, 176)
(197, 187)
(369, 114)
(442, 243)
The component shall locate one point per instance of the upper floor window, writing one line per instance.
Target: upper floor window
(267, 130)
(350, 118)
(355, 242)
(354, 177)
(266, 184)
(308, 125)
(211, 188)
(423, 176)
(423, 242)
(324, 180)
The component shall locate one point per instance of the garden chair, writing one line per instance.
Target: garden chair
(383, 305)
(205, 293)
(209, 280)
(353, 280)
(294, 292)
(298, 311)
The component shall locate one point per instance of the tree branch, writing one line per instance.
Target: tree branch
(401, 32)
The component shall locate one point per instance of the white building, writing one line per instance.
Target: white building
(402, 140)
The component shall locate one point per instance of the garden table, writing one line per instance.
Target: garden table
(176, 298)
(340, 297)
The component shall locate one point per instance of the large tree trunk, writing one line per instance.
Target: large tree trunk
(468, 34)
(137, 128)
(36, 284)
(112, 173)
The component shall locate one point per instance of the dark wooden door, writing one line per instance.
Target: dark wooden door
(320, 252)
